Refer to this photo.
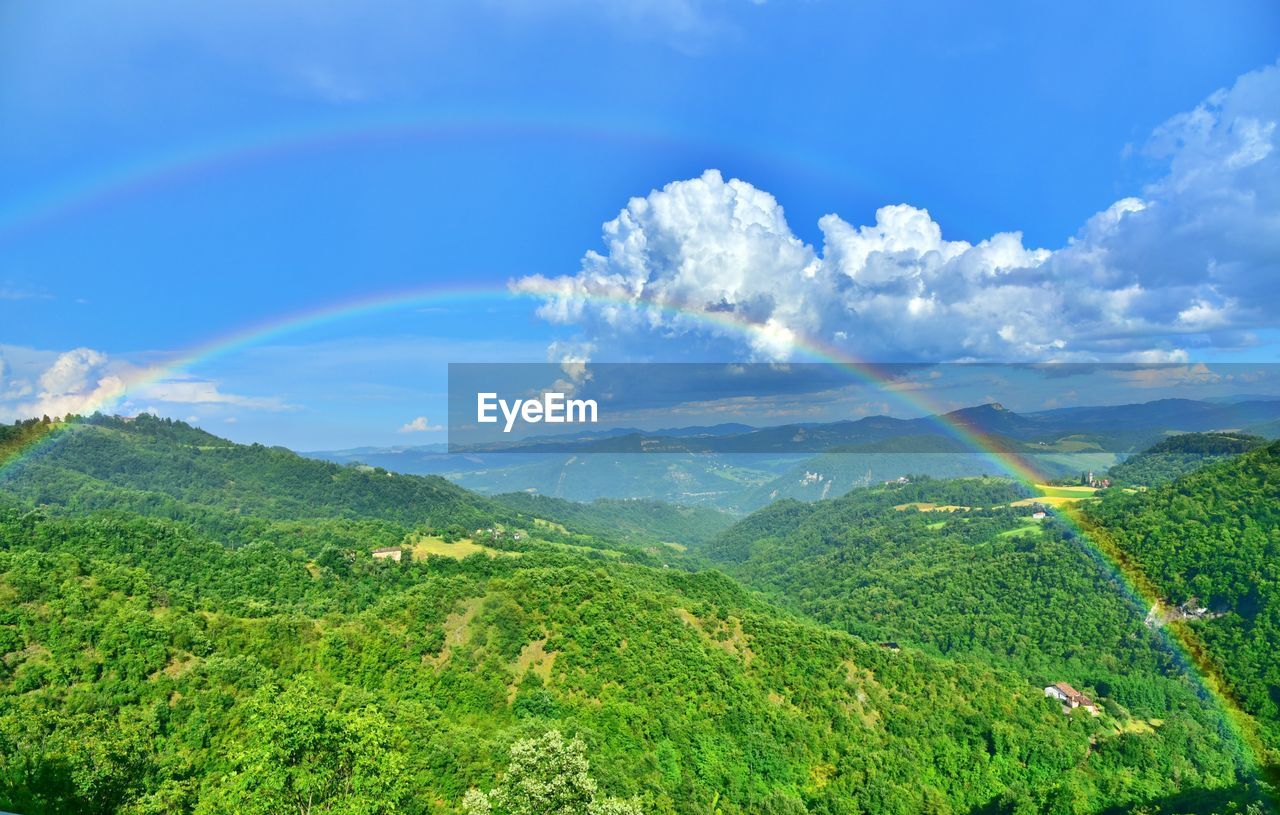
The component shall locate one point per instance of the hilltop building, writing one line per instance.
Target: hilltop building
(1071, 698)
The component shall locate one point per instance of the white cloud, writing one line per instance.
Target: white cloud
(9, 292)
(84, 380)
(71, 372)
(1188, 265)
(11, 387)
(205, 392)
(1167, 376)
(420, 425)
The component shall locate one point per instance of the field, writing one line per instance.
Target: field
(431, 545)
(1066, 492)
(1056, 497)
(925, 506)
(1032, 528)
(1050, 496)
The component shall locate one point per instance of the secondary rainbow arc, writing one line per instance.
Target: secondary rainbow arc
(161, 169)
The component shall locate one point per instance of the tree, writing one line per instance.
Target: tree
(310, 759)
(547, 776)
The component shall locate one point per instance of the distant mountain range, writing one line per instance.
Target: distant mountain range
(1114, 428)
(739, 467)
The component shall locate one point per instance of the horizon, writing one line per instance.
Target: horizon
(443, 446)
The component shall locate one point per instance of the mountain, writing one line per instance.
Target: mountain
(1243, 397)
(1115, 428)
(149, 667)
(1179, 455)
(994, 419)
(830, 475)
(1267, 430)
(1211, 540)
(738, 468)
(1126, 428)
(684, 478)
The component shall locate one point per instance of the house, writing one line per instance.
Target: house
(1039, 514)
(388, 553)
(1071, 698)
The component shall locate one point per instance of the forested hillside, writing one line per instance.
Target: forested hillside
(1179, 455)
(154, 465)
(1213, 537)
(952, 567)
(638, 520)
(151, 661)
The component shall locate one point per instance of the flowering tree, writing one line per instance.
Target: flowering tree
(547, 776)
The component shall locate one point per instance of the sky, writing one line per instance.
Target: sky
(283, 220)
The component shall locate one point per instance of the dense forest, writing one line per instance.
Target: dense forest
(639, 520)
(1211, 540)
(193, 626)
(1181, 454)
(953, 568)
(978, 580)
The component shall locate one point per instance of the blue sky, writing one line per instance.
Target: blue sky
(175, 172)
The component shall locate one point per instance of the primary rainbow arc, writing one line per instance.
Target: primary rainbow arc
(1131, 578)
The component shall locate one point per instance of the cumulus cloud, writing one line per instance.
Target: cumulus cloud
(76, 379)
(84, 380)
(71, 372)
(1187, 265)
(420, 425)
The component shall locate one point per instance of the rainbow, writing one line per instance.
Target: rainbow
(1134, 582)
(192, 163)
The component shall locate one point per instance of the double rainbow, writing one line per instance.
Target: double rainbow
(1182, 641)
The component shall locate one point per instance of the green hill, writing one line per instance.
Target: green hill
(1178, 455)
(968, 577)
(1214, 536)
(146, 463)
(148, 667)
(637, 520)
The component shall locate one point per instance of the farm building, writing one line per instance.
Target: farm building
(1071, 698)
(388, 553)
